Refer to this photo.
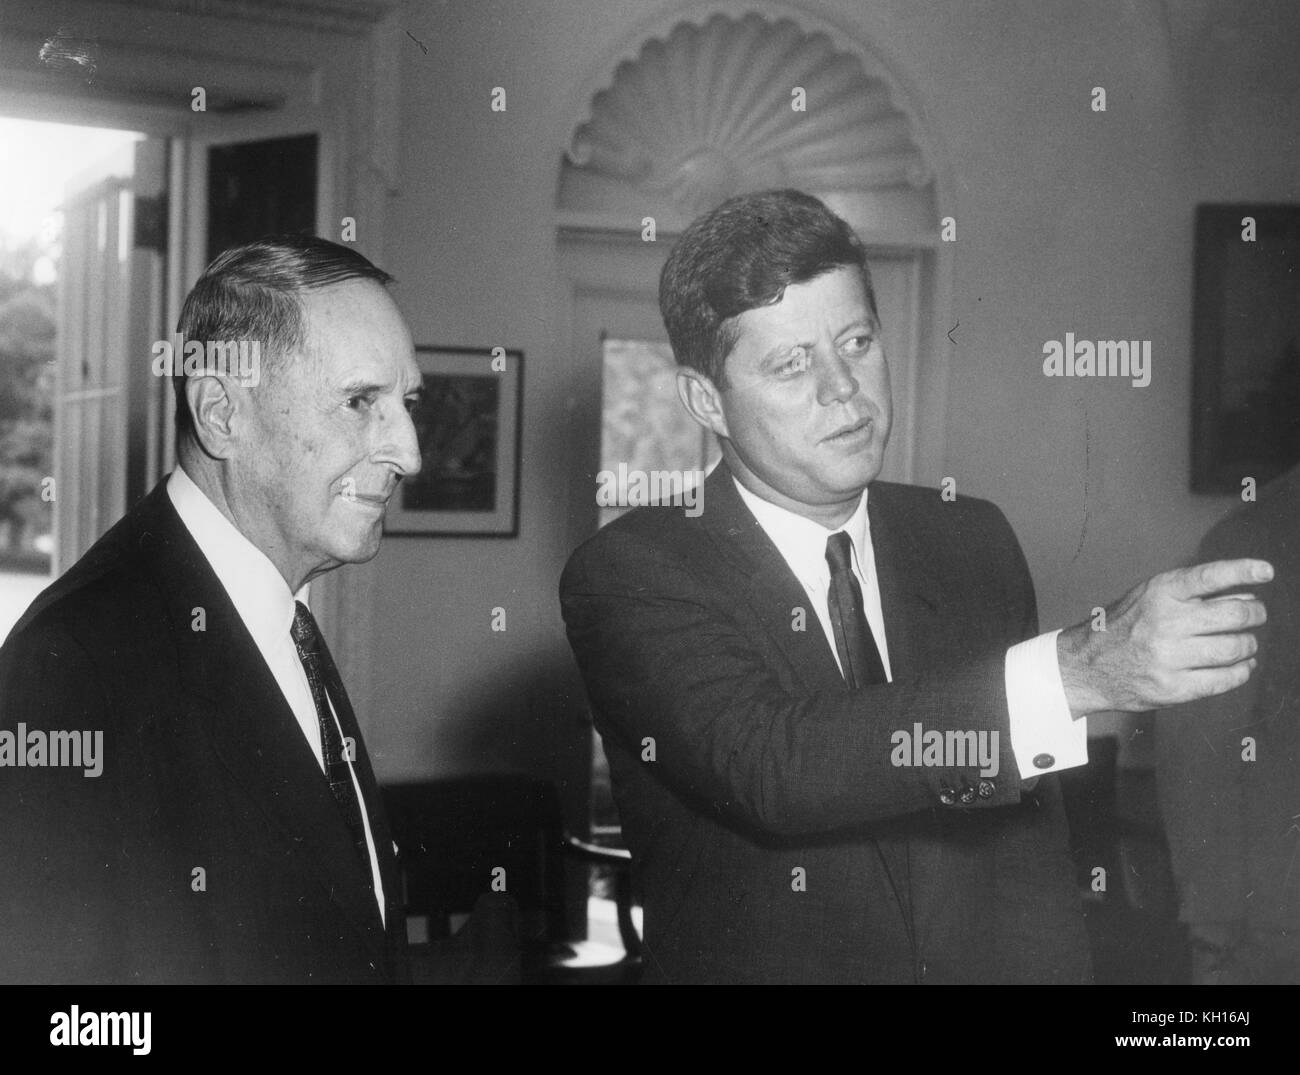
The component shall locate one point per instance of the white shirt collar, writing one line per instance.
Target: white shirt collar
(802, 542)
(256, 588)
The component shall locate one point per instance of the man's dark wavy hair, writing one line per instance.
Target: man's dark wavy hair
(250, 292)
(741, 256)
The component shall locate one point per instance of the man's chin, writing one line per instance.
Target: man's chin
(360, 548)
(850, 480)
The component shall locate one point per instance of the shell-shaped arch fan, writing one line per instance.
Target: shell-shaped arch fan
(743, 104)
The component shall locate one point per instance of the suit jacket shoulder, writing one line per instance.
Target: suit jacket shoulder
(108, 604)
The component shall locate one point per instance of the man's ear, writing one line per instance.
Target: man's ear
(702, 400)
(213, 409)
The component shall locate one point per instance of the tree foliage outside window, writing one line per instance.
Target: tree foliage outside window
(27, 341)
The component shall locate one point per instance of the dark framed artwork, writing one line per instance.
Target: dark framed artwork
(1245, 345)
(468, 425)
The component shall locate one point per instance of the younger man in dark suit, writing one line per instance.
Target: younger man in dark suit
(830, 726)
(234, 831)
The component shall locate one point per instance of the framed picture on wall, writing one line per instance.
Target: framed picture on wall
(1245, 345)
(468, 425)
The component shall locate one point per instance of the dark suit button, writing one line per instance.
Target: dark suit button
(967, 795)
(947, 796)
(987, 788)
(1044, 761)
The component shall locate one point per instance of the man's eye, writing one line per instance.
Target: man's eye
(356, 403)
(412, 404)
(859, 345)
(798, 360)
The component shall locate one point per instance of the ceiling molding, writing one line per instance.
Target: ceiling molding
(109, 68)
(333, 16)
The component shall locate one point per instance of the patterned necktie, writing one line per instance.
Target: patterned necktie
(859, 658)
(321, 673)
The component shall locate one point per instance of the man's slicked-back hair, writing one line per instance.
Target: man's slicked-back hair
(743, 255)
(251, 292)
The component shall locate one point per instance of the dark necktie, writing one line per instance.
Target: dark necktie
(859, 658)
(323, 677)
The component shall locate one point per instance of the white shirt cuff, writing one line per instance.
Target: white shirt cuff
(1044, 735)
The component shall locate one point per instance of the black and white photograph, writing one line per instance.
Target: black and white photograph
(649, 492)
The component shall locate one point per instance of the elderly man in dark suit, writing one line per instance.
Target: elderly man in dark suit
(234, 831)
(830, 722)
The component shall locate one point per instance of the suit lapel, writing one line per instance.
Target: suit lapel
(911, 594)
(251, 727)
(771, 588)
(911, 597)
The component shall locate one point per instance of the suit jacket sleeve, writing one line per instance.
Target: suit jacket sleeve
(668, 656)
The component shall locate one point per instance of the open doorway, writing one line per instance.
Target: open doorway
(54, 180)
(106, 230)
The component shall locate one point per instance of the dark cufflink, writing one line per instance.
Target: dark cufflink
(967, 795)
(1044, 761)
(946, 795)
(986, 789)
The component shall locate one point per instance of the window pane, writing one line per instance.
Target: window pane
(644, 426)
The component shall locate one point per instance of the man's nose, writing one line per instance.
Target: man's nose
(400, 446)
(835, 380)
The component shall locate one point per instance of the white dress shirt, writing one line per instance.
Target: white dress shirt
(262, 599)
(1042, 726)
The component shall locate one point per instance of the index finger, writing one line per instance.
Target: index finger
(1203, 579)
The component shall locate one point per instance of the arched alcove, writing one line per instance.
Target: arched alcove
(739, 103)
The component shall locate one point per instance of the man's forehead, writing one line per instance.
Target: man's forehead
(360, 328)
(348, 302)
(836, 295)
